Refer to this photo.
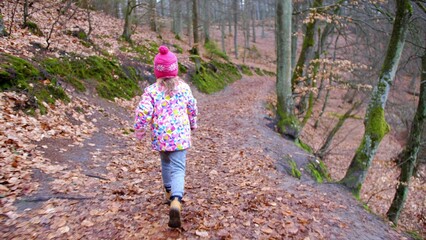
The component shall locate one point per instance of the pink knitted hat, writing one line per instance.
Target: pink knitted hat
(165, 63)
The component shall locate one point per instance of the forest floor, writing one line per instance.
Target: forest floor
(107, 185)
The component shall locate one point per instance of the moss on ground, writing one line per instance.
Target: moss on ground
(288, 125)
(111, 79)
(40, 82)
(178, 48)
(246, 70)
(259, 72)
(146, 53)
(319, 171)
(34, 29)
(215, 76)
(17, 74)
(182, 69)
(294, 170)
(303, 146)
(214, 52)
(269, 73)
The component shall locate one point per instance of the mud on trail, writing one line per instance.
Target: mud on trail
(109, 185)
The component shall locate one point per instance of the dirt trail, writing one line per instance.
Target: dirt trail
(236, 186)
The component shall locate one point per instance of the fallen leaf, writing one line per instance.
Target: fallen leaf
(87, 223)
(201, 233)
(267, 230)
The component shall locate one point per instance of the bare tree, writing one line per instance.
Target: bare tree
(152, 15)
(375, 124)
(235, 9)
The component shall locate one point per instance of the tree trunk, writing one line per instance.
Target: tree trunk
(25, 13)
(235, 14)
(375, 124)
(195, 22)
(229, 18)
(288, 124)
(246, 28)
(262, 20)
(127, 31)
(177, 18)
(324, 105)
(324, 148)
(222, 26)
(307, 45)
(189, 22)
(195, 50)
(162, 7)
(3, 31)
(408, 157)
(253, 22)
(206, 20)
(153, 15)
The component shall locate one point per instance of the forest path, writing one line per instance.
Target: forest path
(236, 188)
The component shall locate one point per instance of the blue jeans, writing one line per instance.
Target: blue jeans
(173, 171)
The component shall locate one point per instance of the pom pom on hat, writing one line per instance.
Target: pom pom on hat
(165, 63)
(163, 50)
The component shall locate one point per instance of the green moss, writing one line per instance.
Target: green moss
(20, 74)
(85, 43)
(177, 36)
(125, 131)
(366, 207)
(145, 54)
(376, 125)
(269, 73)
(34, 29)
(246, 70)
(182, 69)
(3, 31)
(178, 48)
(214, 51)
(112, 79)
(77, 84)
(303, 146)
(318, 171)
(339, 116)
(215, 76)
(415, 235)
(294, 171)
(16, 72)
(81, 35)
(64, 70)
(288, 124)
(259, 72)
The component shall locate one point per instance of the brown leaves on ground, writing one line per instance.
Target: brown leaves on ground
(233, 189)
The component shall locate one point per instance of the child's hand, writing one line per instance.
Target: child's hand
(140, 134)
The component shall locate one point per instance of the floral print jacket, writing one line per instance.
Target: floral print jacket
(171, 116)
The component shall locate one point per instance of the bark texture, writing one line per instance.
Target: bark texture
(288, 123)
(375, 124)
(408, 157)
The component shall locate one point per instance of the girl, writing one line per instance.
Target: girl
(170, 109)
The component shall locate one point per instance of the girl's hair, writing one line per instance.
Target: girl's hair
(168, 84)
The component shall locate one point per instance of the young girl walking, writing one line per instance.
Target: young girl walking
(169, 108)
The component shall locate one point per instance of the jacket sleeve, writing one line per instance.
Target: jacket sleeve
(192, 110)
(143, 112)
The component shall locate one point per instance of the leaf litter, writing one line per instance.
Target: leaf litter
(234, 188)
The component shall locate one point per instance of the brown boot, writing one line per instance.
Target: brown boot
(175, 213)
(167, 195)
